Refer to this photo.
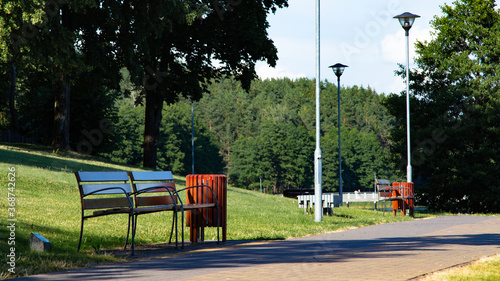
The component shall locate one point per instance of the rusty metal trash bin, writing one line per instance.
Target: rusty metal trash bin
(198, 219)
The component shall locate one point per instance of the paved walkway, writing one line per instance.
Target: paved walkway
(395, 251)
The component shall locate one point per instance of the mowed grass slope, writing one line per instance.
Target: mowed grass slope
(47, 202)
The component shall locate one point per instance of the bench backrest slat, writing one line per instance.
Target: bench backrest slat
(152, 176)
(165, 194)
(382, 182)
(102, 176)
(105, 203)
(113, 188)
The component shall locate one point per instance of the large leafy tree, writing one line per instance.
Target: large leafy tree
(58, 47)
(174, 48)
(175, 150)
(455, 110)
(16, 22)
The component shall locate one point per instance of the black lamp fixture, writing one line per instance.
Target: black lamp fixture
(406, 20)
(338, 69)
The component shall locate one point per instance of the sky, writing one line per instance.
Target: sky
(359, 33)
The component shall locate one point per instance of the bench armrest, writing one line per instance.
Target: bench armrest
(151, 188)
(200, 185)
(97, 191)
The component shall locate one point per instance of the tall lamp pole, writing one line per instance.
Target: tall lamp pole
(318, 206)
(338, 69)
(406, 20)
(192, 136)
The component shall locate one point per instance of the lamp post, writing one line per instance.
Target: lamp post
(318, 207)
(192, 135)
(406, 20)
(338, 69)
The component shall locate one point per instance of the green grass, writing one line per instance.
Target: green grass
(47, 202)
(485, 269)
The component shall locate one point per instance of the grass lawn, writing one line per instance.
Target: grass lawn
(47, 202)
(485, 269)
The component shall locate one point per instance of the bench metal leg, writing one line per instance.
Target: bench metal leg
(182, 227)
(174, 219)
(128, 232)
(81, 234)
(134, 228)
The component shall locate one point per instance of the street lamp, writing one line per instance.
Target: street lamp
(406, 20)
(338, 69)
(318, 193)
(192, 134)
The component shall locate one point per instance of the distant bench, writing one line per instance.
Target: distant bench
(399, 193)
(134, 194)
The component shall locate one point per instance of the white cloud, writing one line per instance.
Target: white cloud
(396, 86)
(264, 71)
(393, 45)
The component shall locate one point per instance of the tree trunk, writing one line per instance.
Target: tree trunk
(12, 97)
(154, 107)
(61, 114)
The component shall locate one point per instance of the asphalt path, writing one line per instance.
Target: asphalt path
(394, 251)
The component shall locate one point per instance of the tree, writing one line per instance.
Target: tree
(15, 17)
(170, 48)
(455, 111)
(280, 154)
(362, 157)
(58, 44)
(175, 145)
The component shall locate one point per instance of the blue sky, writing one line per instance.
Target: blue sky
(359, 33)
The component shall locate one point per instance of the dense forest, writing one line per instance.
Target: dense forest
(266, 132)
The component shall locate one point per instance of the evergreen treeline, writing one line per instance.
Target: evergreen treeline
(265, 133)
(268, 133)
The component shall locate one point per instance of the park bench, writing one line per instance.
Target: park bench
(155, 192)
(384, 190)
(400, 194)
(103, 194)
(206, 201)
(110, 193)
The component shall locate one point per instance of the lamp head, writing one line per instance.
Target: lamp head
(338, 69)
(406, 20)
